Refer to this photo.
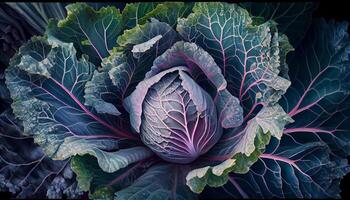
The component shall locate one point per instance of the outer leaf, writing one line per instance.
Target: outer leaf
(247, 54)
(121, 71)
(134, 13)
(26, 171)
(293, 18)
(142, 45)
(108, 161)
(271, 119)
(243, 147)
(102, 185)
(318, 100)
(215, 176)
(168, 12)
(311, 159)
(162, 181)
(105, 91)
(288, 170)
(93, 32)
(47, 86)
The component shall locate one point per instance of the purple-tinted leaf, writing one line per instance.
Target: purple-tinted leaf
(174, 115)
(121, 71)
(288, 169)
(202, 66)
(247, 54)
(318, 100)
(310, 160)
(25, 171)
(46, 83)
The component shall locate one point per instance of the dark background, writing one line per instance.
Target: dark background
(330, 10)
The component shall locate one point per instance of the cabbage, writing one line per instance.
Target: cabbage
(175, 101)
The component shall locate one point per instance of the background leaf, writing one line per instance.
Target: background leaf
(293, 18)
(25, 171)
(14, 31)
(38, 14)
(319, 98)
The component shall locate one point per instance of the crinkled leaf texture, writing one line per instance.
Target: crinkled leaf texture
(179, 120)
(26, 171)
(168, 12)
(311, 158)
(46, 82)
(93, 32)
(250, 56)
(100, 184)
(121, 71)
(72, 108)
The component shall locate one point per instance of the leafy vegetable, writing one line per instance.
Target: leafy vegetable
(173, 100)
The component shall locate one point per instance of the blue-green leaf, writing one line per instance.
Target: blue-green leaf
(100, 184)
(319, 97)
(124, 69)
(93, 32)
(248, 54)
(311, 158)
(293, 18)
(287, 170)
(161, 181)
(168, 12)
(135, 13)
(46, 82)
